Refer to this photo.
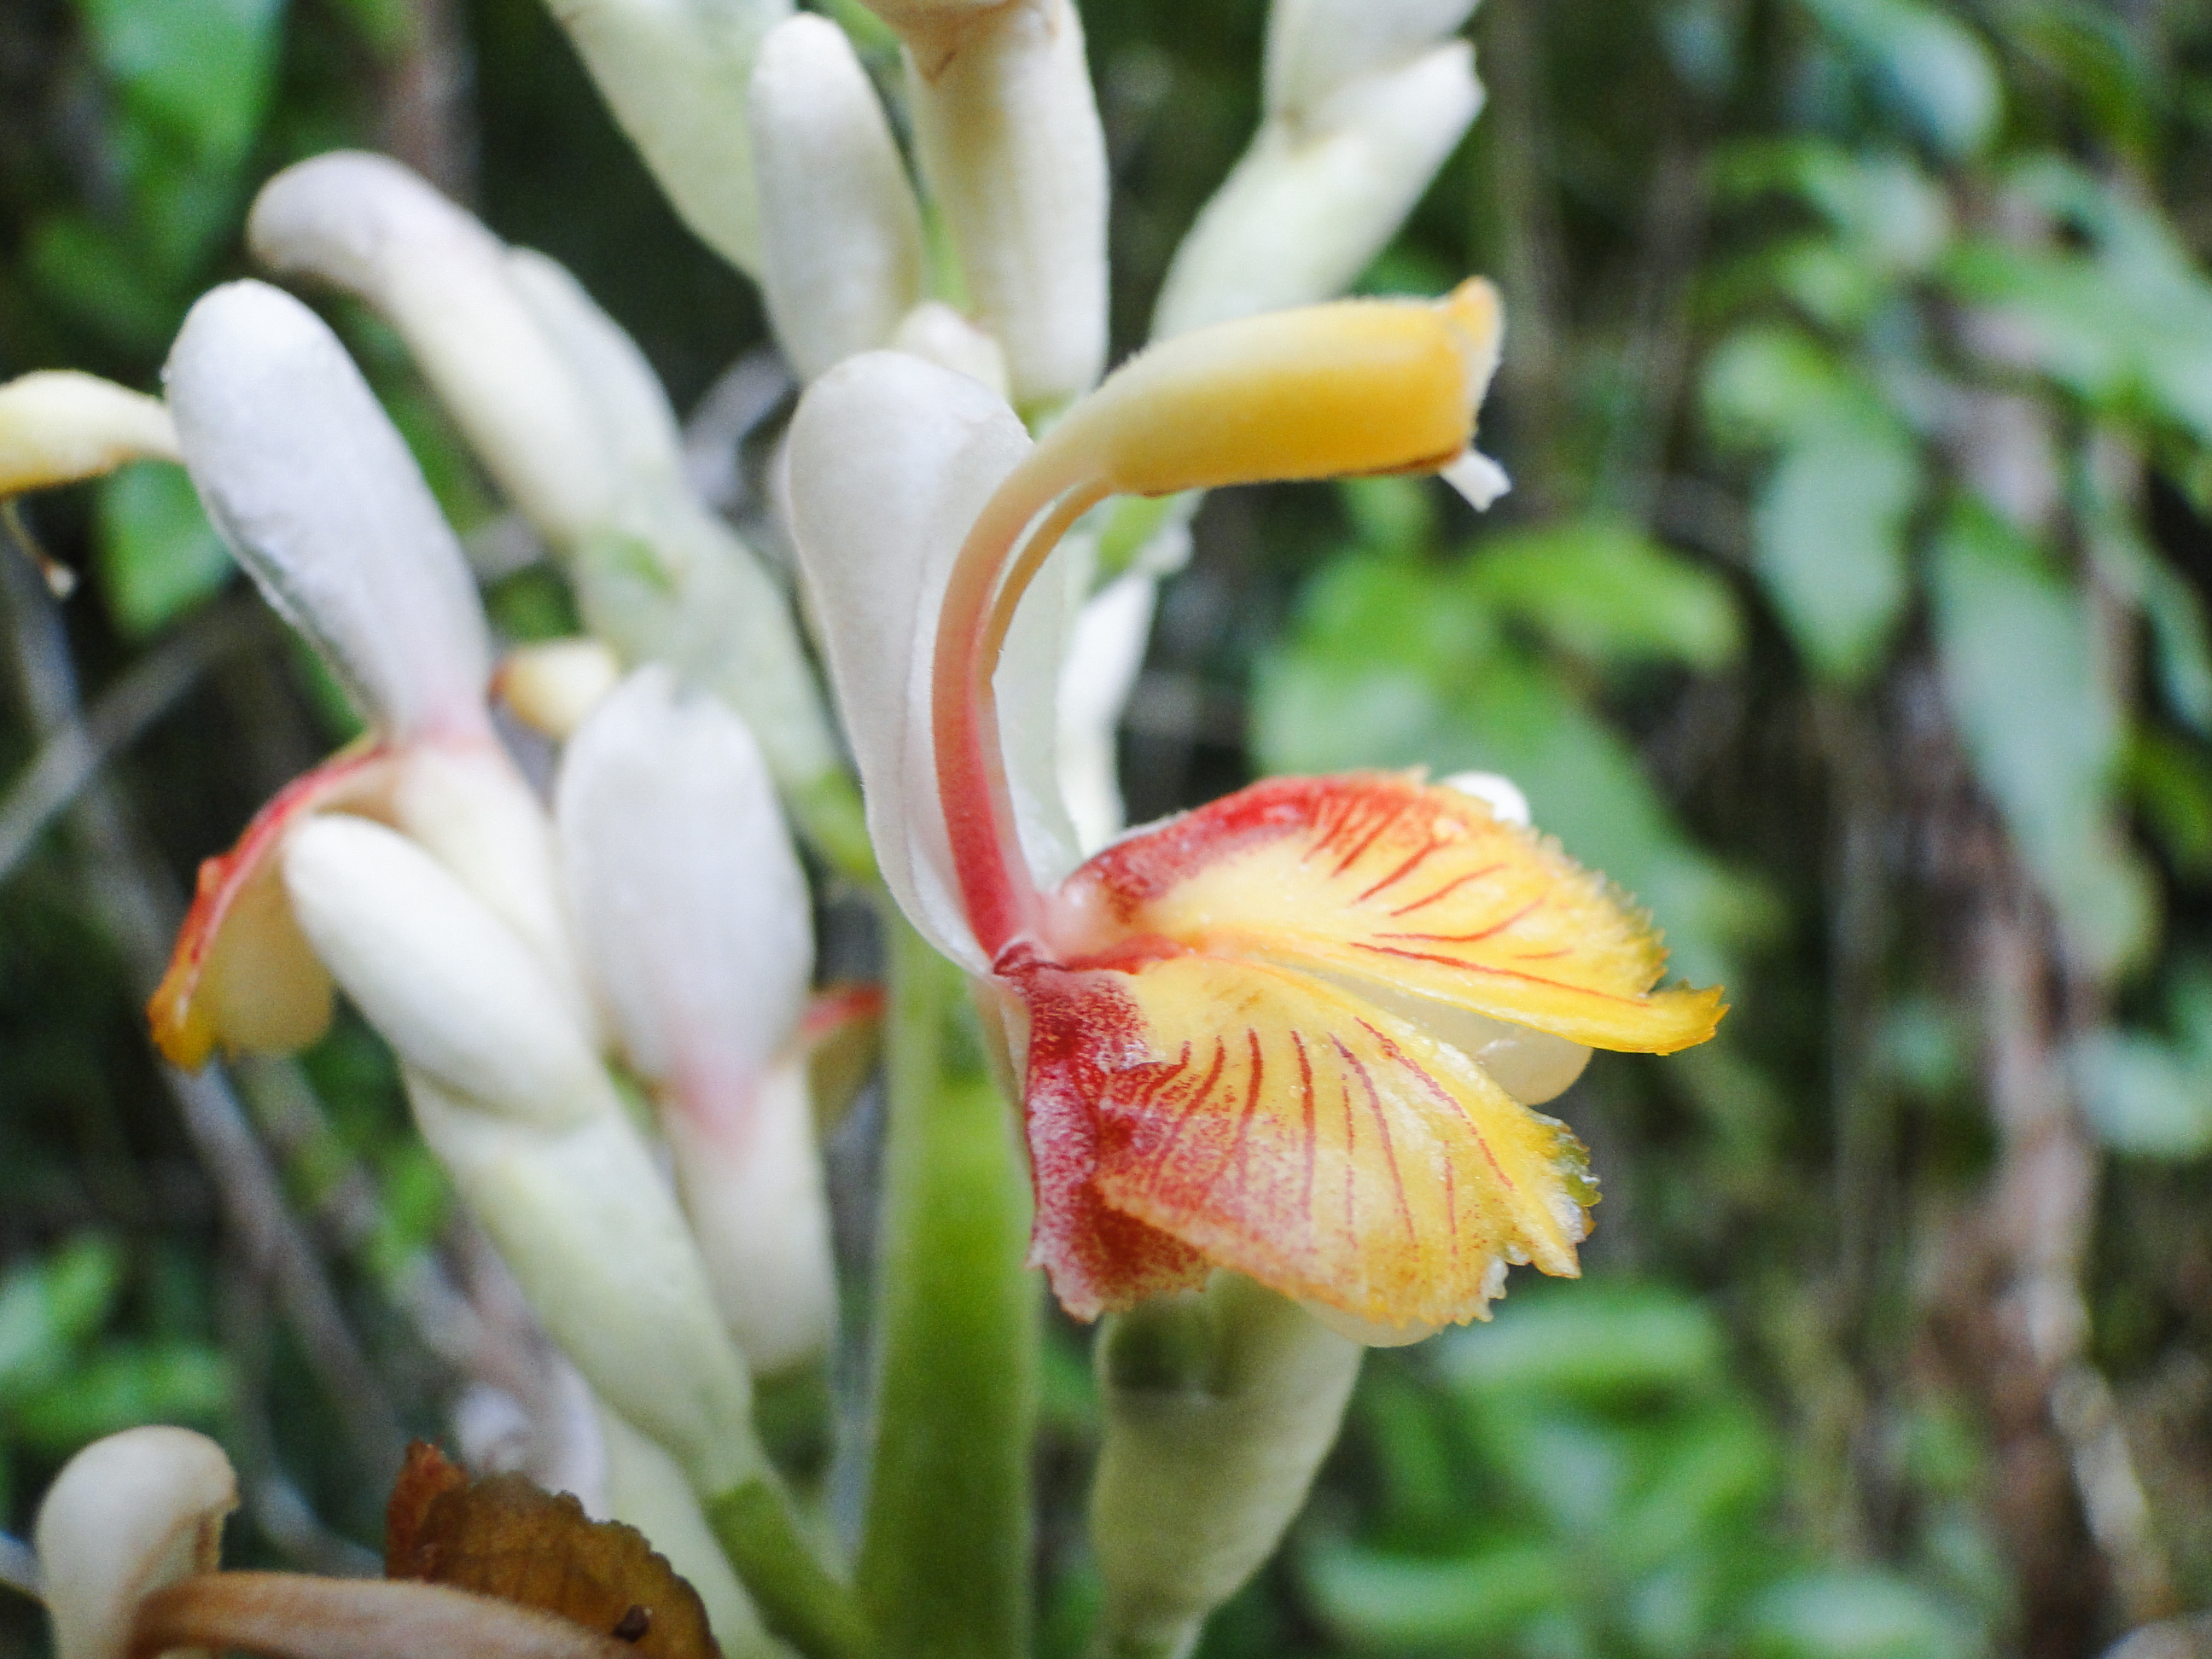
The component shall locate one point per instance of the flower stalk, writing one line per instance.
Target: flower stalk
(945, 1564)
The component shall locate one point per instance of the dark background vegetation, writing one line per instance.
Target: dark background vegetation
(1849, 609)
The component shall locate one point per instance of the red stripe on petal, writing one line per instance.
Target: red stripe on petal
(1200, 1111)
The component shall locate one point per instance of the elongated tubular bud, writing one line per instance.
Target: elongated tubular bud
(58, 426)
(1219, 1407)
(1319, 193)
(841, 233)
(126, 1515)
(630, 407)
(1008, 134)
(317, 496)
(586, 1221)
(448, 985)
(695, 916)
(675, 77)
(368, 225)
(1316, 47)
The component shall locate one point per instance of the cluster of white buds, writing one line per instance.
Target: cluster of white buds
(575, 430)
(491, 944)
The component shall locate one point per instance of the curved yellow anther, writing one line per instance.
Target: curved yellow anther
(1358, 386)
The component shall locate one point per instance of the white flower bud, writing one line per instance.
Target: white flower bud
(320, 499)
(58, 426)
(629, 404)
(444, 980)
(937, 333)
(1316, 195)
(1315, 46)
(126, 1515)
(470, 809)
(1009, 140)
(695, 915)
(691, 904)
(841, 235)
(750, 1176)
(552, 685)
(675, 76)
(591, 1231)
(368, 225)
(1494, 790)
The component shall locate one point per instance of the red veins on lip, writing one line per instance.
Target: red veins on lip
(1209, 1083)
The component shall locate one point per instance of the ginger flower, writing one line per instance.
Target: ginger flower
(1297, 1032)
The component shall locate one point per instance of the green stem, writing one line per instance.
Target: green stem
(945, 1564)
(798, 1600)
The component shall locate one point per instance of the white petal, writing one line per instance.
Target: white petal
(1111, 632)
(690, 903)
(675, 76)
(1479, 480)
(445, 982)
(317, 496)
(750, 1175)
(1494, 790)
(368, 225)
(126, 1515)
(58, 426)
(1315, 46)
(1315, 198)
(628, 405)
(841, 235)
(591, 1231)
(1008, 135)
(890, 460)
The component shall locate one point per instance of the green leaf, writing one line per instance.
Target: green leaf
(2126, 326)
(1765, 380)
(1606, 593)
(1862, 1614)
(199, 69)
(1883, 210)
(1448, 1604)
(49, 1307)
(158, 556)
(1828, 529)
(1602, 1344)
(1711, 1473)
(1934, 69)
(90, 273)
(2144, 1097)
(2040, 728)
(2172, 786)
(123, 1387)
